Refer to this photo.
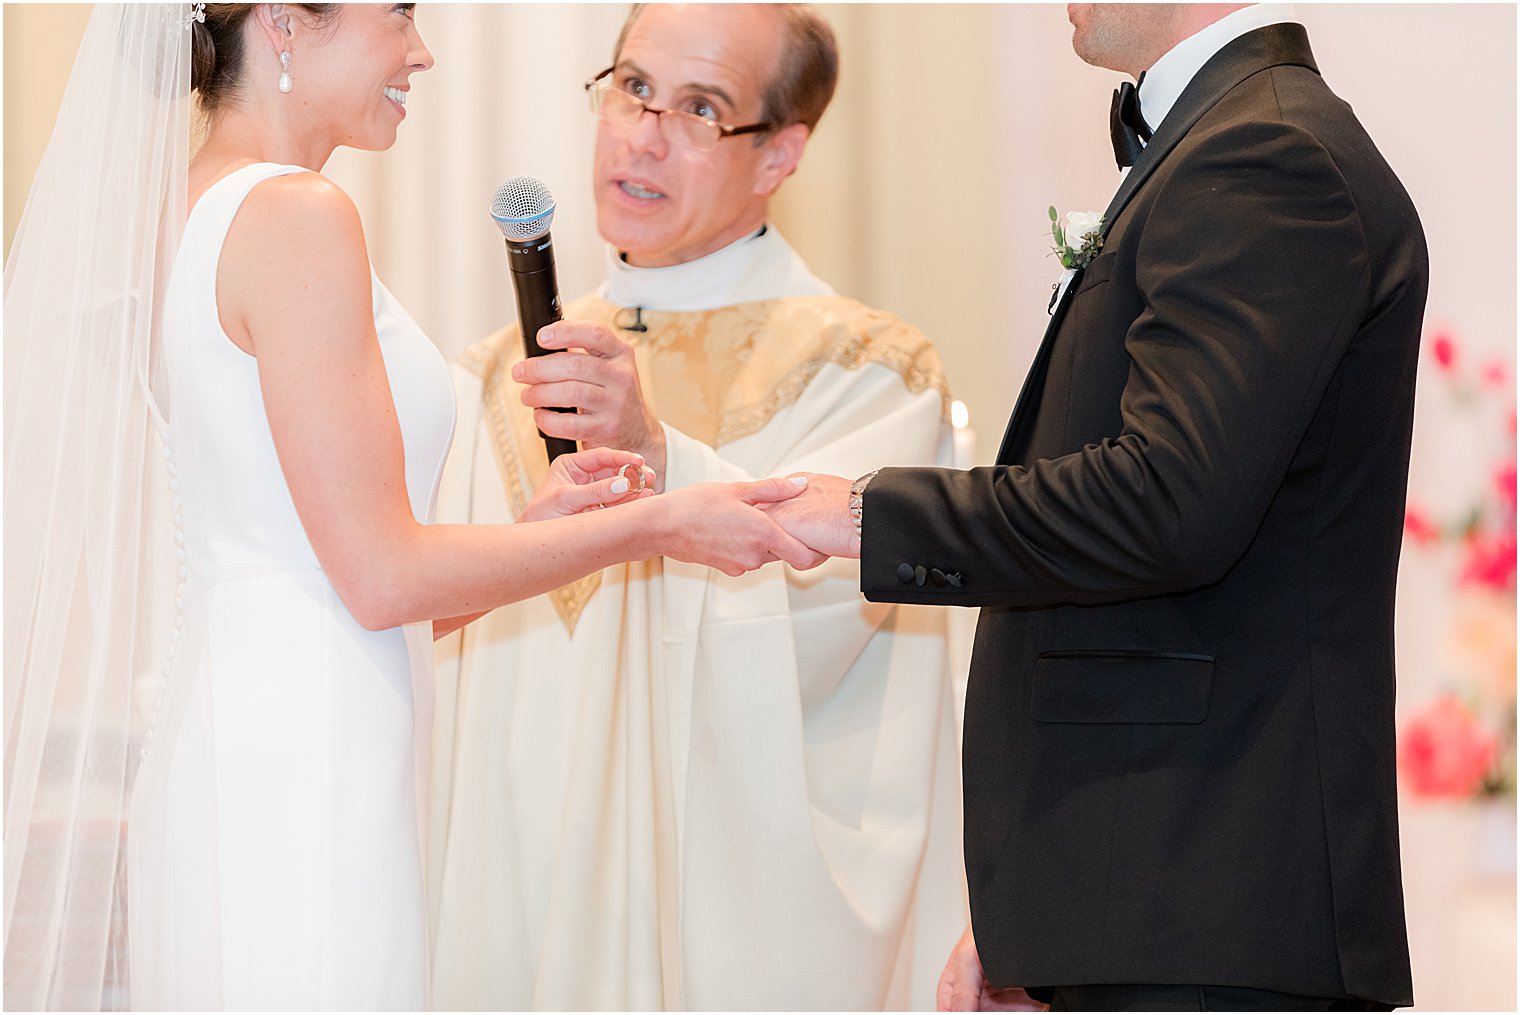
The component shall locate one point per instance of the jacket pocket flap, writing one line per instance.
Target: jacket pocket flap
(1122, 687)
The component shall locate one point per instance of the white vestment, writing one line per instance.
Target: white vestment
(662, 787)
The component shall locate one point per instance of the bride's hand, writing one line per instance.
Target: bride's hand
(594, 478)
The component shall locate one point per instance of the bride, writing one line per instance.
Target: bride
(259, 740)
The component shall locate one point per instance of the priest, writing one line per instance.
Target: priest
(662, 787)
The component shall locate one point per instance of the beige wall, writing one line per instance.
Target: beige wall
(40, 40)
(925, 192)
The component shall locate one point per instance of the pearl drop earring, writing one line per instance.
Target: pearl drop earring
(285, 84)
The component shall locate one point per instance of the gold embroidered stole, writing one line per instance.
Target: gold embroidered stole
(715, 375)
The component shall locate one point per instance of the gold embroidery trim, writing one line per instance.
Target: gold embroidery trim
(483, 360)
(851, 354)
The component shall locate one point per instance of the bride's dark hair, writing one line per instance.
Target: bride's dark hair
(216, 49)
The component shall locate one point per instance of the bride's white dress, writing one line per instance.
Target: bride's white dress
(274, 857)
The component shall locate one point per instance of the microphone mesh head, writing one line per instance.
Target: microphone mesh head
(523, 208)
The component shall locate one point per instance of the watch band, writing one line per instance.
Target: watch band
(858, 498)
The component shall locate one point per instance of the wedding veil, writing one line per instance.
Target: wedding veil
(87, 545)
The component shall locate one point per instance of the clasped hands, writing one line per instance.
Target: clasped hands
(595, 373)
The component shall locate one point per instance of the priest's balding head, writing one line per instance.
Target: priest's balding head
(735, 91)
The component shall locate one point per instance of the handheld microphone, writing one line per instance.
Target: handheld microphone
(523, 210)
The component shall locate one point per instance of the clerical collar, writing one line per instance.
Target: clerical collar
(1165, 81)
(760, 266)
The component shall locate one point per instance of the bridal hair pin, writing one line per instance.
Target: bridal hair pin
(197, 14)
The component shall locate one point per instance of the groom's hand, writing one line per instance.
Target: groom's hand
(962, 987)
(596, 375)
(820, 516)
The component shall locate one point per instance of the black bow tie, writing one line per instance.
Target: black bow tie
(1126, 127)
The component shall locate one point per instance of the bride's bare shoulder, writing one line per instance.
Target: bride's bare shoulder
(298, 223)
(297, 236)
(308, 202)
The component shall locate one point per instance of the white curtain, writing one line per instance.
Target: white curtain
(504, 100)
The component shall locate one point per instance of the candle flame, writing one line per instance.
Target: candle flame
(960, 416)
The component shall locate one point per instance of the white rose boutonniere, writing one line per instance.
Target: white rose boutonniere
(1081, 239)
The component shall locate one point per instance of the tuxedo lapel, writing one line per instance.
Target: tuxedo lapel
(1035, 380)
(1272, 46)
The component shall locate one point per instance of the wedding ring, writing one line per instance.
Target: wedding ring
(643, 478)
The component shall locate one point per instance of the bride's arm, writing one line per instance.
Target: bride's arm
(294, 285)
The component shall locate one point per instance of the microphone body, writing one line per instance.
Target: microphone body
(523, 210)
(536, 286)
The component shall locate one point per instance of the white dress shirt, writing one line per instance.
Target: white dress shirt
(1167, 78)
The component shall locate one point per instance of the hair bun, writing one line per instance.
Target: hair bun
(202, 56)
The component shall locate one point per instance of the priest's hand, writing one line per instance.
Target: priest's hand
(820, 516)
(962, 987)
(593, 478)
(596, 375)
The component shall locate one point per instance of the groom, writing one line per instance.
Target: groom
(1179, 739)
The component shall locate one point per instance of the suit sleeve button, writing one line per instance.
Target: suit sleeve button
(936, 577)
(920, 574)
(905, 573)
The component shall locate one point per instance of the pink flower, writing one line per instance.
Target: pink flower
(1494, 373)
(1444, 752)
(1504, 482)
(1445, 349)
(1419, 528)
(1491, 560)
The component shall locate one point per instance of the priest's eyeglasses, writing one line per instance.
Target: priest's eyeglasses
(621, 109)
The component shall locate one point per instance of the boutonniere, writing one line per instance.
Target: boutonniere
(1081, 239)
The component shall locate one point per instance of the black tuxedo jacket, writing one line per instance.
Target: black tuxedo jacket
(1179, 742)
